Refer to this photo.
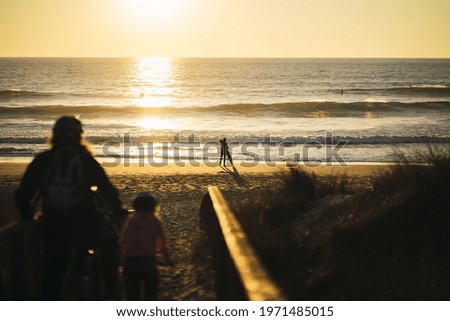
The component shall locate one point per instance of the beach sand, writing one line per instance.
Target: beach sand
(181, 190)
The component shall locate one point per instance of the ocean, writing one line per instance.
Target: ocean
(271, 110)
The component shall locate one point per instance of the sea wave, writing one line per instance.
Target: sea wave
(426, 90)
(292, 109)
(108, 94)
(18, 93)
(432, 90)
(429, 86)
(181, 141)
(12, 151)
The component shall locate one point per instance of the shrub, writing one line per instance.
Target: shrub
(387, 243)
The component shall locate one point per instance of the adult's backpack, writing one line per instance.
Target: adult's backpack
(63, 181)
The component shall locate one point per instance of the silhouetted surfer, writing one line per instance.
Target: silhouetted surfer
(224, 153)
(342, 91)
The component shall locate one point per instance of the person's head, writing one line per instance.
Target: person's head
(224, 139)
(145, 202)
(67, 131)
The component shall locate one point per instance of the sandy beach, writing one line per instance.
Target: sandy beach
(15, 168)
(181, 190)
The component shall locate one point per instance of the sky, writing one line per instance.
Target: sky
(225, 28)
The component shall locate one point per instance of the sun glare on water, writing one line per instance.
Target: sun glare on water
(156, 123)
(152, 85)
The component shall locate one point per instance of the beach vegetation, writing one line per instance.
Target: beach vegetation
(387, 241)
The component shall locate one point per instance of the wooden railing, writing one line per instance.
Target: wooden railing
(20, 260)
(240, 275)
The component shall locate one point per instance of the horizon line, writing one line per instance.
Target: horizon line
(230, 57)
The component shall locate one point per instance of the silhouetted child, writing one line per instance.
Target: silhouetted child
(142, 236)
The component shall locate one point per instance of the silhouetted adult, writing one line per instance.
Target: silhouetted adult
(224, 152)
(64, 178)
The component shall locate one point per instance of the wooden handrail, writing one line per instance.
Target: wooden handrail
(20, 260)
(9, 229)
(254, 278)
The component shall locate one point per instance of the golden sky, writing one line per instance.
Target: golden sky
(225, 28)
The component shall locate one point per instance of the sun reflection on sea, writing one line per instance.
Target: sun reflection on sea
(156, 123)
(152, 84)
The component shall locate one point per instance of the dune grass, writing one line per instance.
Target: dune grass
(387, 242)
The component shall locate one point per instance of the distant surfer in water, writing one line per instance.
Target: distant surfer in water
(224, 152)
(142, 95)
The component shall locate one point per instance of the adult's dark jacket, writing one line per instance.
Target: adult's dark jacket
(61, 227)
